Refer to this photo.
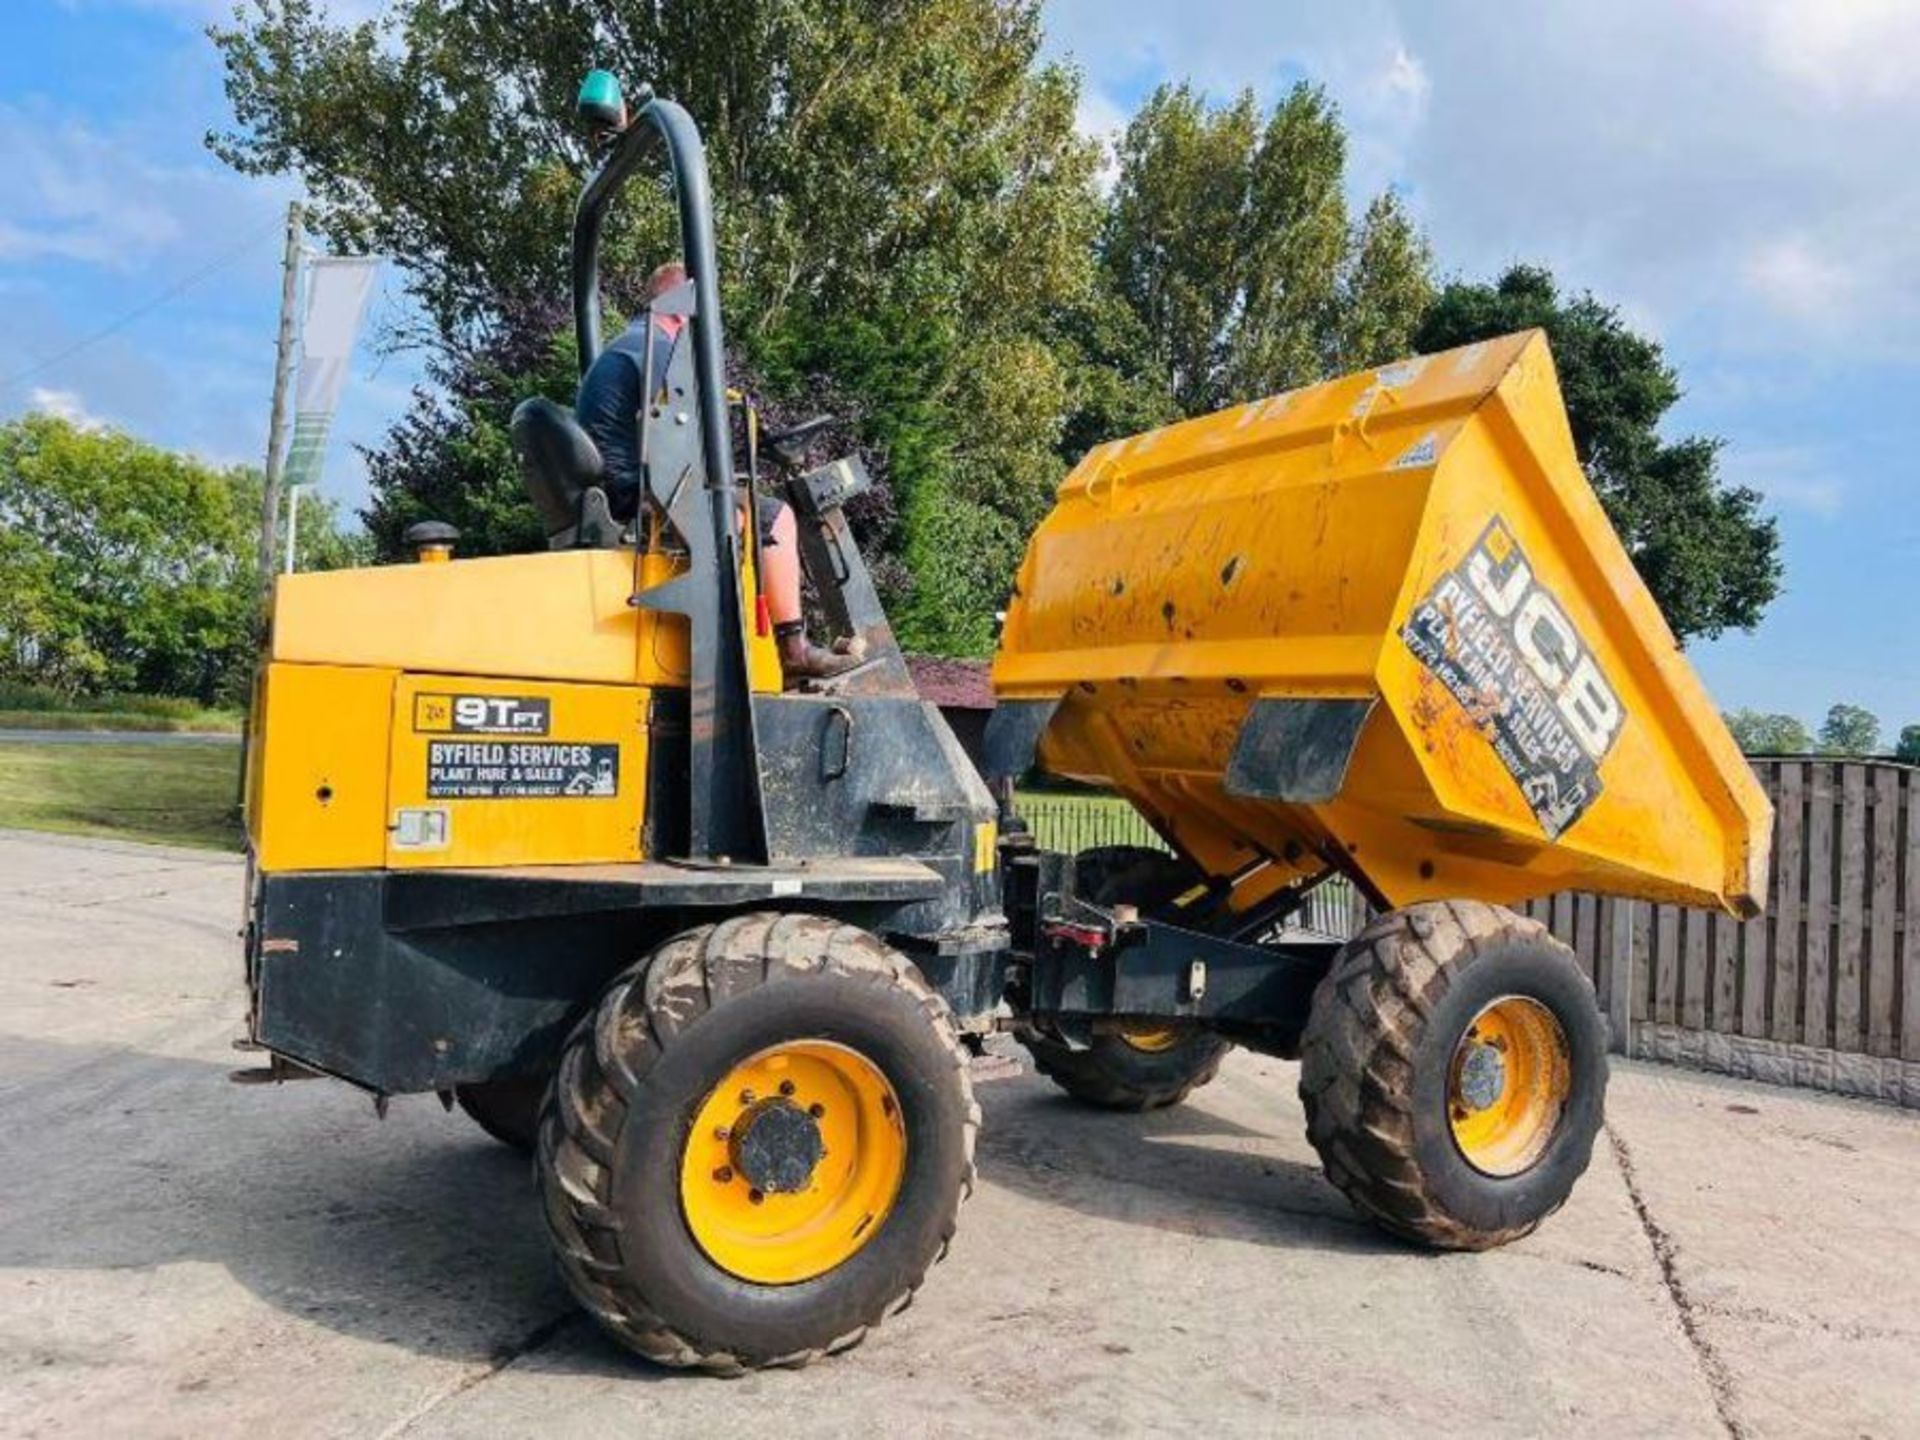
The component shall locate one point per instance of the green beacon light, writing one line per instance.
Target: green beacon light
(601, 104)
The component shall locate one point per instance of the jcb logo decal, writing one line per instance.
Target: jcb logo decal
(1546, 640)
(482, 714)
(1503, 645)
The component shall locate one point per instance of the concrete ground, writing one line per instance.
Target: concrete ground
(181, 1256)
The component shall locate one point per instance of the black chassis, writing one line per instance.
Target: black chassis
(856, 801)
(408, 981)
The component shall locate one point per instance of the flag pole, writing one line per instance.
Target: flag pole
(293, 521)
(277, 425)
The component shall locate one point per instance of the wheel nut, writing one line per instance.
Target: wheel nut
(721, 1132)
(724, 1175)
(816, 1111)
(746, 1097)
(755, 1196)
(786, 1087)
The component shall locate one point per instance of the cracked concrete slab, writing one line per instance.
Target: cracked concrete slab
(183, 1256)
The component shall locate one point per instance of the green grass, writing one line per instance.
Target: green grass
(164, 794)
(222, 721)
(1073, 822)
(37, 707)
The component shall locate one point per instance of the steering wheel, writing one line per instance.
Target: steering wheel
(789, 446)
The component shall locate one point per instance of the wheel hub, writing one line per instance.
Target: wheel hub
(1483, 1076)
(792, 1162)
(776, 1147)
(1149, 1039)
(1508, 1086)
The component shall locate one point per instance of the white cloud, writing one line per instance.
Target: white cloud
(1792, 477)
(1404, 80)
(1799, 282)
(1846, 52)
(1223, 46)
(65, 405)
(1739, 169)
(1100, 118)
(101, 197)
(73, 194)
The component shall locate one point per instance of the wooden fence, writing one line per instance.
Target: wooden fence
(1822, 990)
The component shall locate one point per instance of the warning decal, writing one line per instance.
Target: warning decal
(1503, 646)
(496, 770)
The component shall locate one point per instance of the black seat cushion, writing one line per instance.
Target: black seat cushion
(558, 461)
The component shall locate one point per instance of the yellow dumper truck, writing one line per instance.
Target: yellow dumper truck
(547, 836)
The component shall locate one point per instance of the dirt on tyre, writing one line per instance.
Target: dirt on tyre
(507, 1109)
(1142, 1066)
(1454, 1073)
(757, 1144)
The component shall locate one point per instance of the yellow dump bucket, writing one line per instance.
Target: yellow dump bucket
(1379, 625)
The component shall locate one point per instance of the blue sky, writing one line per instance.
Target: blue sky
(1735, 174)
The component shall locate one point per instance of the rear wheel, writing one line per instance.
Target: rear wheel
(1136, 1069)
(758, 1144)
(1454, 1073)
(508, 1110)
(1144, 1065)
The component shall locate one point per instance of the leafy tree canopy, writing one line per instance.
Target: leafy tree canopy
(905, 209)
(1909, 746)
(1850, 730)
(450, 457)
(901, 195)
(1761, 734)
(909, 221)
(1708, 554)
(1228, 236)
(127, 567)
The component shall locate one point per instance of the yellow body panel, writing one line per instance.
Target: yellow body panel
(557, 616)
(561, 615)
(1412, 535)
(362, 753)
(550, 774)
(317, 767)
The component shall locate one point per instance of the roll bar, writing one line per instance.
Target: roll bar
(726, 804)
(687, 164)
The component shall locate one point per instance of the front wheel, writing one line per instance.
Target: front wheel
(1454, 1073)
(758, 1144)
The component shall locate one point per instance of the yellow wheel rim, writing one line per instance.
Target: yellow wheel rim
(1150, 1039)
(792, 1163)
(1508, 1085)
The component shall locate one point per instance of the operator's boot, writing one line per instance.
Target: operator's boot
(801, 659)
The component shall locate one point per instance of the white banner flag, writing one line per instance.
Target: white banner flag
(338, 288)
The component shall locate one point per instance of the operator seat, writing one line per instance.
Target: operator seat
(564, 475)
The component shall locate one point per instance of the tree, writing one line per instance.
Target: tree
(901, 195)
(1760, 734)
(1710, 557)
(1909, 747)
(1850, 730)
(1228, 238)
(450, 456)
(127, 567)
